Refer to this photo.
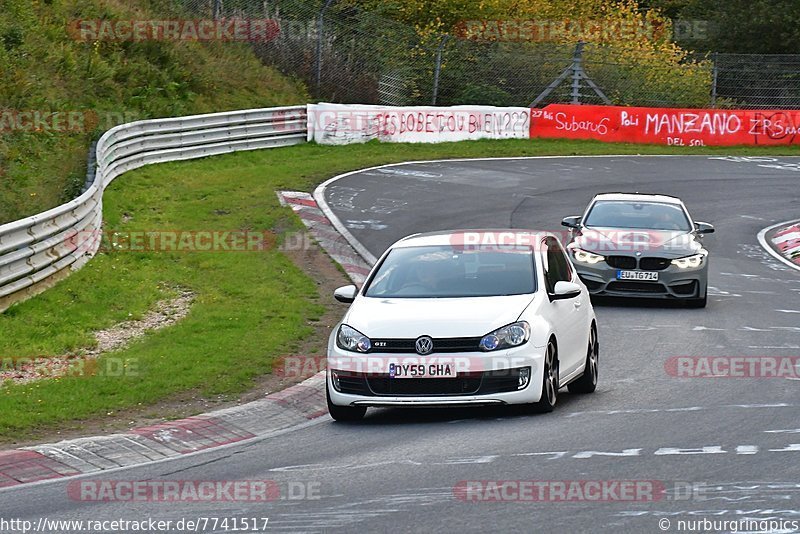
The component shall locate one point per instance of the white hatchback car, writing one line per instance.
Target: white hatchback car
(464, 318)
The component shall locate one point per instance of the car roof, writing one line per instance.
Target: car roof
(638, 197)
(445, 237)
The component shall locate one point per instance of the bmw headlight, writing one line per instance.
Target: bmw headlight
(349, 338)
(509, 336)
(691, 262)
(585, 256)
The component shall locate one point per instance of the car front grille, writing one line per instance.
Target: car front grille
(636, 287)
(440, 345)
(645, 264)
(621, 262)
(654, 264)
(481, 383)
(383, 385)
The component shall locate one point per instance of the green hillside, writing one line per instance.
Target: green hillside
(95, 85)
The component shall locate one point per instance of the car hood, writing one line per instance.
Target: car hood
(435, 317)
(624, 241)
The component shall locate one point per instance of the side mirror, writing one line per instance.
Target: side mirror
(346, 294)
(565, 290)
(703, 228)
(571, 222)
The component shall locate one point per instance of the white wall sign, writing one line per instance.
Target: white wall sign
(339, 124)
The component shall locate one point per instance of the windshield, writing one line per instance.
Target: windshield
(637, 215)
(447, 271)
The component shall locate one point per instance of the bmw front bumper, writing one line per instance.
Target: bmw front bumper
(673, 282)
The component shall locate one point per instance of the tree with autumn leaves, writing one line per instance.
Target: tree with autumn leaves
(629, 50)
(734, 26)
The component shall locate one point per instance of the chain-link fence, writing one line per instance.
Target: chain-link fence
(345, 54)
(756, 81)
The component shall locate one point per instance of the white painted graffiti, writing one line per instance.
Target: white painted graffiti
(343, 198)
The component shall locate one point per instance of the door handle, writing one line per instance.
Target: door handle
(577, 303)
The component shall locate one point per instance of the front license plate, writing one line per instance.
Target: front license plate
(642, 276)
(422, 370)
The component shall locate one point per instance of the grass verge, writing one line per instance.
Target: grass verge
(251, 307)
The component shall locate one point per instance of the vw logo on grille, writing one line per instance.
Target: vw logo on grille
(424, 345)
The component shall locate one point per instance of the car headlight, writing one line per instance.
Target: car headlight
(584, 256)
(349, 338)
(691, 262)
(512, 335)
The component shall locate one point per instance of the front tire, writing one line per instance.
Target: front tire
(549, 397)
(344, 413)
(587, 383)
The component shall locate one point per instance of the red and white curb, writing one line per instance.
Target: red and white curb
(328, 237)
(275, 412)
(782, 241)
(787, 241)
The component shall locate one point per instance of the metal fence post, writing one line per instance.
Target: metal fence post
(438, 69)
(714, 72)
(577, 70)
(217, 13)
(320, 29)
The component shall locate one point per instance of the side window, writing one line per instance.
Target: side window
(557, 268)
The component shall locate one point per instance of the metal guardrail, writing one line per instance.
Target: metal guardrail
(56, 242)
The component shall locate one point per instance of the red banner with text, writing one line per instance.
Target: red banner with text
(667, 126)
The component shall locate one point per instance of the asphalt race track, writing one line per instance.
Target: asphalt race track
(736, 440)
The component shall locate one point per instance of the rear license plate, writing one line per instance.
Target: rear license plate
(422, 370)
(641, 276)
